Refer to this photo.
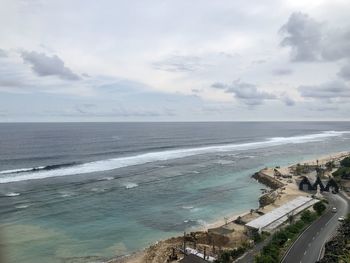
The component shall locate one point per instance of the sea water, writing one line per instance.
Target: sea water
(81, 191)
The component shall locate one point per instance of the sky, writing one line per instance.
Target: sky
(179, 60)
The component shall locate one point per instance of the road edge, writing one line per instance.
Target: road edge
(291, 246)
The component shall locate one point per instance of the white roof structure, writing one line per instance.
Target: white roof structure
(197, 253)
(278, 216)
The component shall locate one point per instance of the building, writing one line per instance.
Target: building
(278, 216)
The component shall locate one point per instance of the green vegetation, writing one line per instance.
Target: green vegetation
(260, 237)
(272, 252)
(230, 255)
(330, 165)
(345, 162)
(344, 170)
(319, 207)
(337, 249)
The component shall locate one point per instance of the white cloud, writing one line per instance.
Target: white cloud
(139, 53)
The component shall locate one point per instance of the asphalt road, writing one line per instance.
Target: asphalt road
(307, 248)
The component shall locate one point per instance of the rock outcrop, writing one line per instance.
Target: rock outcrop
(267, 180)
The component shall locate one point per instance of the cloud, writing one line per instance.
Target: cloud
(93, 110)
(196, 90)
(324, 108)
(303, 35)
(3, 53)
(179, 63)
(345, 72)
(282, 72)
(9, 83)
(288, 100)
(336, 44)
(44, 65)
(218, 85)
(259, 61)
(310, 40)
(330, 90)
(245, 92)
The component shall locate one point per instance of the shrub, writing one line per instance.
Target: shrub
(319, 208)
(330, 165)
(345, 162)
(307, 216)
(236, 253)
(229, 255)
(273, 250)
(280, 238)
(342, 172)
(257, 237)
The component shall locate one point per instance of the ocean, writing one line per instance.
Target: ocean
(73, 191)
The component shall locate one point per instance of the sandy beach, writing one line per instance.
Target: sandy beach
(158, 253)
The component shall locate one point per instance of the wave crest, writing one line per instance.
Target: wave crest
(115, 163)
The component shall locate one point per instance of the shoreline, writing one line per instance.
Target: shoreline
(286, 193)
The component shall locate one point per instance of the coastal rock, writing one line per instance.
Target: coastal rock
(267, 199)
(267, 180)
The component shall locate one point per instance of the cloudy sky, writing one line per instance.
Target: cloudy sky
(178, 60)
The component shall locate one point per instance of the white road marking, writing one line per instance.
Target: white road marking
(305, 252)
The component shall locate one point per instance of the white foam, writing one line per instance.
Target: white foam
(107, 178)
(189, 207)
(224, 162)
(12, 194)
(21, 206)
(129, 185)
(115, 163)
(66, 194)
(98, 190)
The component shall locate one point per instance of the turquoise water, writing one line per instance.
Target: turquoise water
(111, 212)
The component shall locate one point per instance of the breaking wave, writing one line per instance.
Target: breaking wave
(12, 194)
(130, 185)
(39, 168)
(115, 163)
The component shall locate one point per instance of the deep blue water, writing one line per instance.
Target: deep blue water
(105, 189)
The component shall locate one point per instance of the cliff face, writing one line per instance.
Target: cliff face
(267, 180)
(338, 248)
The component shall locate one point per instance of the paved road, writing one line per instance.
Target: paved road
(308, 247)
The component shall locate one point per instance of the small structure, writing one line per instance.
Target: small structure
(332, 185)
(194, 254)
(305, 184)
(278, 216)
(319, 183)
(318, 193)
